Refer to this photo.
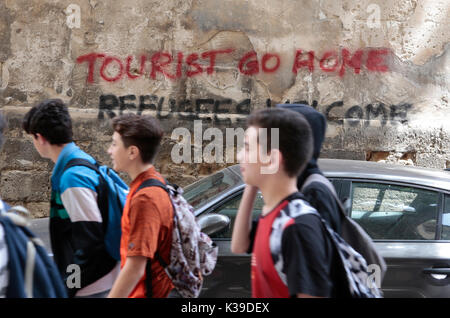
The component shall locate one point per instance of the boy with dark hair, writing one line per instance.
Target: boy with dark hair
(76, 224)
(291, 252)
(147, 220)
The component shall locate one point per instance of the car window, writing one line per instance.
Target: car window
(446, 219)
(204, 190)
(230, 209)
(395, 212)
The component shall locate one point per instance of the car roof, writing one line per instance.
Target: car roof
(357, 169)
(368, 170)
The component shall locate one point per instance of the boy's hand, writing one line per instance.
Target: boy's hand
(240, 240)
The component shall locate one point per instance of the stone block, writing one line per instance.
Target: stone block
(25, 186)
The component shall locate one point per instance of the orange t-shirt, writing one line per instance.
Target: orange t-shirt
(147, 224)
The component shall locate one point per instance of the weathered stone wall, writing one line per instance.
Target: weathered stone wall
(378, 70)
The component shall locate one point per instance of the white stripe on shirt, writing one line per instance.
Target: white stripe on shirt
(81, 204)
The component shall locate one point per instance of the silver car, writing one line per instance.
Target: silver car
(406, 210)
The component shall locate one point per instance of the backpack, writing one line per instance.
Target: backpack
(352, 234)
(111, 196)
(193, 254)
(32, 273)
(355, 271)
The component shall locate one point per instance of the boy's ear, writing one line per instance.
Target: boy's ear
(133, 152)
(41, 139)
(274, 164)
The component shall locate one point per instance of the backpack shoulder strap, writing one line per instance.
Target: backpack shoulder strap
(148, 281)
(85, 163)
(316, 177)
(152, 183)
(81, 162)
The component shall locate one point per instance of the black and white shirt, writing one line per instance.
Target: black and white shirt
(291, 252)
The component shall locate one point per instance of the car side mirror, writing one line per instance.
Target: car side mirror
(409, 209)
(213, 223)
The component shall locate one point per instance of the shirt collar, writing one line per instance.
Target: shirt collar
(63, 158)
(144, 175)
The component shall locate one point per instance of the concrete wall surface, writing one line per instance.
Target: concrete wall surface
(377, 69)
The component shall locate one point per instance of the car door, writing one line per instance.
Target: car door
(231, 276)
(411, 229)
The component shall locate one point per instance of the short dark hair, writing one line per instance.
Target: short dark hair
(3, 126)
(295, 136)
(141, 131)
(51, 119)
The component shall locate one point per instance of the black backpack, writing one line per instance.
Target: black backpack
(355, 247)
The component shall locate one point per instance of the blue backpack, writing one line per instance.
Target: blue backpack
(111, 196)
(32, 273)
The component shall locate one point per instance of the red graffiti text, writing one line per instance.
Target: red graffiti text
(174, 66)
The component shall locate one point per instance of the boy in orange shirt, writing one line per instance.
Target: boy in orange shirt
(147, 220)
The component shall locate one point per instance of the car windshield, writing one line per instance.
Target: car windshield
(203, 191)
